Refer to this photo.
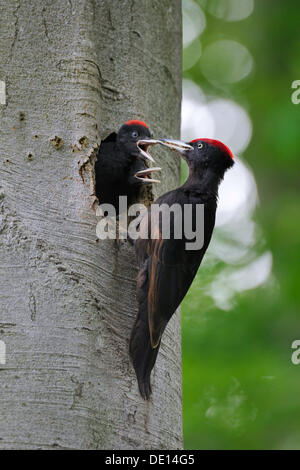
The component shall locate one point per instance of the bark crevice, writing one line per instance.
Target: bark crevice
(67, 302)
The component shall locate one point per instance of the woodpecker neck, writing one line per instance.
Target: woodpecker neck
(206, 179)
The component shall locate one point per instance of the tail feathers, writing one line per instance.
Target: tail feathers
(142, 354)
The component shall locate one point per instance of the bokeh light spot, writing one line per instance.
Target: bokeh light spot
(236, 130)
(226, 62)
(237, 195)
(193, 21)
(229, 10)
(196, 119)
(191, 54)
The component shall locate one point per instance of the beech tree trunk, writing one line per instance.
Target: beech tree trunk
(71, 72)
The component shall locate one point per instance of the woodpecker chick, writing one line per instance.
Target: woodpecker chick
(121, 167)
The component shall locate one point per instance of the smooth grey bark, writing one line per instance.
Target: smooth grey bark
(75, 71)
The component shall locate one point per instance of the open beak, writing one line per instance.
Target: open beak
(143, 146)
(145, 175)
(176, 145)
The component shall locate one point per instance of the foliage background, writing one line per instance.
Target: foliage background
(241, 390)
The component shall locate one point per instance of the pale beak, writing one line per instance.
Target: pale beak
(143, 146)
(143, 175)
(176, 145)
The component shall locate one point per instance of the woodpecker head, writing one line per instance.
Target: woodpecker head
(203, 154)
(136, 137)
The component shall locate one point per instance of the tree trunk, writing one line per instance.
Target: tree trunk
(72, 72)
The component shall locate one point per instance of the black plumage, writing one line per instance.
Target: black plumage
(167, 268)
(121, 166)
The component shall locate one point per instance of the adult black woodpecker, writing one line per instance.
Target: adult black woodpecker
(120, 168)
(166, 267)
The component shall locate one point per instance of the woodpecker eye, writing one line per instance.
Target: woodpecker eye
(134, 134)
(200, 145)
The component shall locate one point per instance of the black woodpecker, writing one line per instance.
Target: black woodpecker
(120, 168)
(166, 267)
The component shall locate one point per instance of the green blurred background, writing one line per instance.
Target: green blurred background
(239, 319)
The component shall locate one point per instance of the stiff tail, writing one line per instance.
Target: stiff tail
(142, 354)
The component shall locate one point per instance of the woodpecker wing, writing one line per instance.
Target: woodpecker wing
(171, 268)
(111, 170)
(110, 138)
(167, 287)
